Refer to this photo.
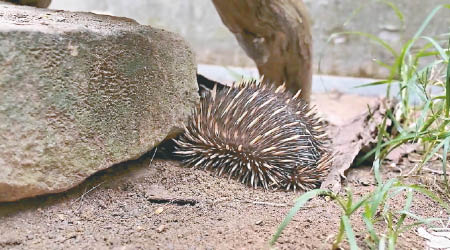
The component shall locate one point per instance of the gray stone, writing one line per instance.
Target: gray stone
(35, 3)
(80, 92)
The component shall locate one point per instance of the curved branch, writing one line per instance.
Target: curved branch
(276, 35)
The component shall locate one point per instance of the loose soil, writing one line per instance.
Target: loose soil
(159, 204)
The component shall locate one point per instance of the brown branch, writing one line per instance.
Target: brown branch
(276, 35)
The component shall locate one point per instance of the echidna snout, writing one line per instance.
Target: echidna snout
(258, 134)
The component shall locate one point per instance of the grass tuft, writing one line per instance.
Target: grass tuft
(426, 122)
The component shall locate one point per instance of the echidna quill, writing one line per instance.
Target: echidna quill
(259, 134)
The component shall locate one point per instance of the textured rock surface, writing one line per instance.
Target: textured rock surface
(35, 3)
(80, 92)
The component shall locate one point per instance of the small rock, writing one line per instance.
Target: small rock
(61, 217)
(364, 183)
(161, 229)
(159, 210)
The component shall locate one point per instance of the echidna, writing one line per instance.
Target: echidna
(259, 134)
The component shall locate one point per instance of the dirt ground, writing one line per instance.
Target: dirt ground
(158, 204)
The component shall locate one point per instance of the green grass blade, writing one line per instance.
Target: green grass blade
(447, 90)
(358, 204)
(396, 192)
(400, 60)
(409, 198)
(444, 160)
(426, 22)
(423, 115)
(349, 232)
(373, 84)
(397, 11)
(382, 64)
(370, 228)
(430, 121)
(354, 13)
(434, 151)
(400, 139)
(436, 136)
(382, 244)
(391, 236)
(419, 221)
(437, 47)
(377, 162)
(416, 217)
(339, 236)
(423, 52)
(396, 123)
(407, 47)
(298, 204)
(380, 196)
(428, 193)
(348, 206)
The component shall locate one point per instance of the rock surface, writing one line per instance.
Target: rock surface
(80, 92)
(35, 3)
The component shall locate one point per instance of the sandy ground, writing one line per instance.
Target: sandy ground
(158, 204)
(131, 208)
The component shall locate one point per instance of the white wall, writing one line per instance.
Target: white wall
(198, 22)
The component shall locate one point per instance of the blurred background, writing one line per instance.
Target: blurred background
(344, 55)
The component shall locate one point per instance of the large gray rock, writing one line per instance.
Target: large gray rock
(80, 92)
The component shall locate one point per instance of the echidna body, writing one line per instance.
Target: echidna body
(259, 134)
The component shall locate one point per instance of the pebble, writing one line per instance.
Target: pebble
(161, 229)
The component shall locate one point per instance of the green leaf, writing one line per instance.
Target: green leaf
(407, 206)
(400, 139)
(396, 123)
(373, 84)
(409, 44)
(391, 235)
(444, 159)
(354, 13)
(349, 232)
(377, 162)
(426, 22)
(437, 46)
(298, 204)
(423, 115)
(428, 193)
(434, 151)
(419, 221)
(359, 204)
(370, 228)
(395, 9)
(382, 244)
(447, 90)
(380, 195)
